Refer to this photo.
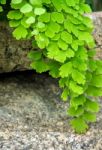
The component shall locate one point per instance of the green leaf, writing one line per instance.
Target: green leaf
(35, 32)
(72, 111)
(76, 88)
(63, 45)
(24, 24)
(14, 14)
(18, 6)
(3, 1)
(16, 1)
(42, 40)
(82, 53)
(89, 117)
(94, 91)
(92, 65)
(77, 101)
(34, 55)
(85, 36)
(63, 82)
(66, 69)
(36, 2)
(39, 11)
(88, 76)
(88, 22)
(46, 1)
(58, 4)
(18, 34)
(78, 77)
(91, 106)
(70, 53)
(99, 67)
(49, 33)
(91, 53)
(79, 125)
(1, 9)
(60, 57)
(96, 81)
(41, 25)
(26, 8)
(86, 8)
(66, 37)
(81, 27)
(65, 94)
(74, 45)
(68, 25)
(56, 37)
(30, 20)
(52, 50)
(57, 17)
(54, 26)
(55, 53)
(71, 2)
(44, 17)
(80, 64)
(54, 69)
(14, 23)
(75, 20)
(52, 29)
(40, 66)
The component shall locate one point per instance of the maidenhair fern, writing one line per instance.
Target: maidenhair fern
(63, 34)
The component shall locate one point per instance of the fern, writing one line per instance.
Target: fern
(64, 35)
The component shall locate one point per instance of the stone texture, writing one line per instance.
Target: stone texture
(13, 53)
(32, 116)
(97, 20)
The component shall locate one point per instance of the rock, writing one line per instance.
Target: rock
(33, 117)
(13, 53)
(97, 20)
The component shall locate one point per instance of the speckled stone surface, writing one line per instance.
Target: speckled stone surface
(33, 117)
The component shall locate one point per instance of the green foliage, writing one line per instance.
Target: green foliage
(2, 2)
(64, 35)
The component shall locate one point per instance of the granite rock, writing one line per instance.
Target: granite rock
(33, 117)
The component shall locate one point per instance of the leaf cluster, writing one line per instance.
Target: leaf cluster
(63, 35)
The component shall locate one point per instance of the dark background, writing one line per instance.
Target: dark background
(96, 5)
